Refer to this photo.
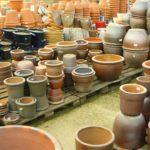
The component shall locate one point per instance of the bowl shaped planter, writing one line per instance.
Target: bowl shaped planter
(83, 79)
(45, 54)
(105, 66)
(95, 140)
(146, 66)
(40, 138)
(82, 44)
(94, 52)
(37, 85)
(17, 55)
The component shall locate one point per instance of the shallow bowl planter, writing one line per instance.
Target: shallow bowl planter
(21, 28)
(45, 54)
(105, 66)
(82, 44)
(5, 42)
(5, 66)
(17, 54)
(94, 52)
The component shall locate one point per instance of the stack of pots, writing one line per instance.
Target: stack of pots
(113, 42)
(135, 51)
(61, 5)
(54, 72)
(2, 21)
(138, 14)
(5, 71)
(27, 5)
(95, 13)
(69, 6)
(86, 9)
(38, 19)
(130, 126)
(78, 8)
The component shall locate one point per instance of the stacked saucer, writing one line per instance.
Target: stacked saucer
(3, 108)
(86, 9)
(49, 18)
(114, 8)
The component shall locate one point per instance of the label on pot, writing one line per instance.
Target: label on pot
(135, 44)
(32, 7)
(120, 40)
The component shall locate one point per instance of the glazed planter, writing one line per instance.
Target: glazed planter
(15, 90)
(45, 54)
(82, 44)
(38, 137)
(42, 63)
(69, 60)
(31, 58)
(105, 66)
(26, 47)
(5, 66)
(94, 52)
(93, 33)
(83, 79)
(26, 107)
(82, 61)
(131, 99)
(67, 19)
(56, 16)
(94, 43)
(17, 54)
(94, 141)
(66, 47)
(146, 66)
(126, 18)
(37, 86)
(21, 28)
(85, 23)
(5, 52)
(8, 33)
(82, 54)
(135, 58)
(129, 128)
(25, 65)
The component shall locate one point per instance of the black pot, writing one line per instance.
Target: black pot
(21, 28)
(39, 35)
(8, 33)
(39, 44)
(5, 42)
(5, 52)
(22, 36)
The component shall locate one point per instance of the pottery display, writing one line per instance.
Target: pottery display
(25, 65)
(85, 23)
(82, 44)
(45, 54)
(105, 66)
(94, 52)
(11, 118)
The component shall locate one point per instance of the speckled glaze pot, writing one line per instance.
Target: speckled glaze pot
(10, 134)
(126, 18)
(94, 52)
(145, 81)
(17, 54)
(146, 66)
(100, 138)
(83, 79)
(131, 99)
(105, 66)
(129, 131)
(82, 44)
(45, 54)
(67, 19)
(37, 85)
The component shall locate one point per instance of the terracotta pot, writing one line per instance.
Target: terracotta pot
(131, 99)
(37, 86)
(25, 65)
(16, 4)
(103, 4)
(135, 58)
(31, 58)
(36, 8)
(54, 67)
(5, 73)
(2, 78)
(129, 131)
(105, 66)
(50, 7)
(2, 19)
(94, 8)
(69, 6)
(95, 141)
(94, 43)
(82, 54)
(146, 66)
(42, 25)
(61, 5)
(82, 44)
(148, 25)
(5, 66)
(43, 5)
(27, 5)
(40, 70)
(69, 60)
(45, 54)
(55, 6)
(15, 90)
(94, 52)
(34, 2)
(67, 20)
(83, 79)
(85, 23)
(35, 134)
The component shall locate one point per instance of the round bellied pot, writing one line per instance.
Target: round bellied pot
(8, 33)
(25, 65)
(69, 60)
(126, 18)
(82, 44)
(145, 81)
(146, 66)
(54, 67)
(26, 107)
(17, 54)
(66, 47)
(15, 90)
(83, 79)
(129, 128)
(100, 138)
(135, 58)
(131, 99)
(11, 118)
(94, 52)
(37, 85)
(11, 134)
(21, 28)
(5, 52)
(5, 66)
(82, 54)
(31, 58)
(105, 66)
(94, 43)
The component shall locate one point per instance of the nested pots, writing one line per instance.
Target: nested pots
(45, 54)
(17, 54)
(94, 52)
(131, 99)
(105, 66)
(82, 44)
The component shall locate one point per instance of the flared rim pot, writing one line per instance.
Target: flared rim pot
(13, 81)
(24, 73)
(66, 44)
(37, 79)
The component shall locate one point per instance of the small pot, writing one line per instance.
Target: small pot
(45, 54)
(31, 58)
(25, 65)
(69, 60)
(82, 44)
(82, 54)
(94, 52)
(5, 52)
(11, 118)
(40, 70)
(5, 42)
(93, 33)
(17, 55)
(8, 33)
(5, 66)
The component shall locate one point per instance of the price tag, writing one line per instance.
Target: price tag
(135, 44)
(32, 7)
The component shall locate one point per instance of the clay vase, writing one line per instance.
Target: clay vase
(131, 99)
(105, 66)
(126, 18)
(37, 85)
(38, 137)
(129, 131)
(95, 141)
(83, 79)
(45, 54)
(17, 54)
(145, 81)
(16, 5)
(85, 23)
(31, 58)
(82, 54)
(146, 66)
(25, 65)
(94, 52)
(82, 44)
(15, 90)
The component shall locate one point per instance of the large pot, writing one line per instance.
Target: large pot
(100, 138)
(126, 18)
(129, 131)
(131, 99)
(38, 35)
(105, 66)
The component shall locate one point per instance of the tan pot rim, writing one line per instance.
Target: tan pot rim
(144, 81)
(138, 50)
(64, 44)
(22, 80)
(53, 63)
(54, 76)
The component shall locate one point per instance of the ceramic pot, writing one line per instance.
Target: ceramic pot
(82, 54)
(82, 44)
(17, 54)
(8, 33)
(93, 33)
(135, 58)
(37, 86)
(69, 60)
(83, 79)
(131, 99)
(105, 66)
(126, 18)
(42, 63)
(129, 131)
(83, 141)
(16, 5)
(148, 139)
(25, 65)
(82, 61)
(56, 16)
(94, 52)
(40, 70)
(67, 20)
(31, 58)
(54, 67)
(26, 107)
(15, 90)
(5, 73)
(77, 23)
(146, 66)
(5, 66)
(85, 23)
(61, 5)
(111, 37)
(66, 47)
(94, 43)
(5, 52)
(11, 118)
(14, 64)
(38, 137)
(5, 42)
(45, 54)
(69, 6)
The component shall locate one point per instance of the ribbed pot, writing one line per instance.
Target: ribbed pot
(67, 20)
(82, 54)
(135, 58)
(126, 18)
(131, 99)
(100, 138)
(82, 44)
(37, 85)
(14, 133)
(105, 66)
(15, 90)
(146, 66)
(129, 131)
(45, 54)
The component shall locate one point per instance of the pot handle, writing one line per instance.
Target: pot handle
(33, 34)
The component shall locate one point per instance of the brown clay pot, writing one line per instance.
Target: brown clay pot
(82, 44)
(146, 66)
(31, 58)
(94, 52)
(82, 54)
(5, 66)
(45, 54)
(131, 99)
(105, 66)
(25, 65)
(17, 54)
